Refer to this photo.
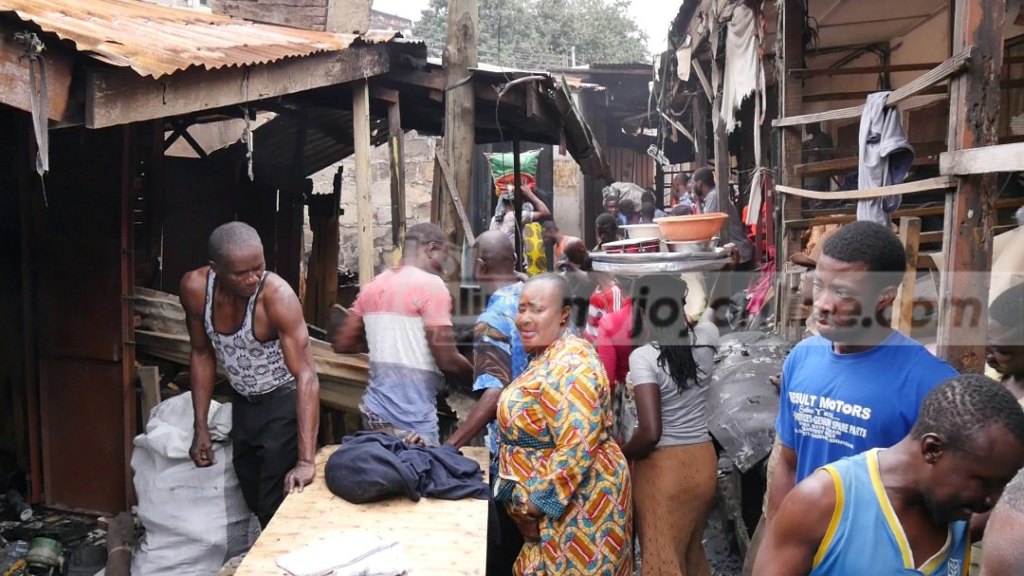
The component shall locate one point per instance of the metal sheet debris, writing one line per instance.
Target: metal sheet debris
(742, 405)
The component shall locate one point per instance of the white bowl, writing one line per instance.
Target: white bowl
(689, 246)
(636, 231)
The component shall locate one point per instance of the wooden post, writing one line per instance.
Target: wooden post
(396, 151)
(460, 54)
(722, 163)
(970, 211)
(436, 190)
(322, 271)
(364, 203)
(149, 377)
(903, 309)
(700, 129)
(791, 102)
(518, 200)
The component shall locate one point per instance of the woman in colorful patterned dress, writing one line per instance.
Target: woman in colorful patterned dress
(563, 479)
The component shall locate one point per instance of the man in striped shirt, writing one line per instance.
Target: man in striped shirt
(403, 319)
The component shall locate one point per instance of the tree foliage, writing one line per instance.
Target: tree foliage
(531, 33)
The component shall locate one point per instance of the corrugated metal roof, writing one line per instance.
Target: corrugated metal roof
(157, 40)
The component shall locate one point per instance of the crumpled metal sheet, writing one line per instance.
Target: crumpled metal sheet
(742, 404)
(157, 40)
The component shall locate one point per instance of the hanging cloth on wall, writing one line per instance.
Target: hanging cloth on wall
(744, 73)
(885, 157)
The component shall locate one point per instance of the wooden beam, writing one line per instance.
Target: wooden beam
(681, 129)
(791, 152)
(984, 160)
(431, 78)
(923, 154)
(699, 69)
(930, 237)
(888, 20)
(121, 96)
(721, 136)
(928, 185)
(700, 129)
(970, 212)
(15, 86)
(149, 379)
(364, 200)
(436, 197)
(460, 54)
(396, 156)
(449, 182)
(811, 72)
(517, 199)
(903, 308)
(955, 65)
(843, 218)
(386, 94)
(863, 95)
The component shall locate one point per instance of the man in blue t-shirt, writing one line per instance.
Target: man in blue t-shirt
(858, 384)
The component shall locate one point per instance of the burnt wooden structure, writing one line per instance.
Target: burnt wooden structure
(943, 62)
(114, 212)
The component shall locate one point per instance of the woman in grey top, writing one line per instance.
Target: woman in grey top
(674, 461)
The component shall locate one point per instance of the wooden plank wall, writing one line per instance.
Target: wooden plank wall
(631, 166)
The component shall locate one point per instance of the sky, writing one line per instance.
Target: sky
(653, 16)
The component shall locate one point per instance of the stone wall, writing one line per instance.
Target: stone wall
(419, 171)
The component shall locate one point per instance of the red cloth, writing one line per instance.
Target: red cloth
(614, 342)
(602, 303)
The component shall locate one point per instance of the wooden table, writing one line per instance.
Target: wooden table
(440, 537)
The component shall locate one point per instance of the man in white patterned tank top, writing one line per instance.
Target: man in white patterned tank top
(250, 321)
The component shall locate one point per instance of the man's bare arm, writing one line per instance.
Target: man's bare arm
(441, 340)
(351, 336)
(285, 315)
(485, 410)
(782, 482)
(202, 365)
(796, 533)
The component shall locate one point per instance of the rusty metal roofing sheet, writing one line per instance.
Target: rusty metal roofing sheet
(157, 40)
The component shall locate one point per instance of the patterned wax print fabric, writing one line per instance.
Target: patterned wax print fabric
(556, 453)
(534, 254)
(498, 355)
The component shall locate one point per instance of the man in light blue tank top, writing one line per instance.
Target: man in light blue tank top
(906, 510)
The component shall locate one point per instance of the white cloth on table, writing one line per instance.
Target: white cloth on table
(885, 157)
(347, 554)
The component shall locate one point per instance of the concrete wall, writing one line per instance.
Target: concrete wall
(418, 177)
(568, 210)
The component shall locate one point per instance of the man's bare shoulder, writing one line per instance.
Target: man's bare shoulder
(277, 294)
(192, 289)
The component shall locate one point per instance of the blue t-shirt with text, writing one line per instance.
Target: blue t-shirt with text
(838, 405)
